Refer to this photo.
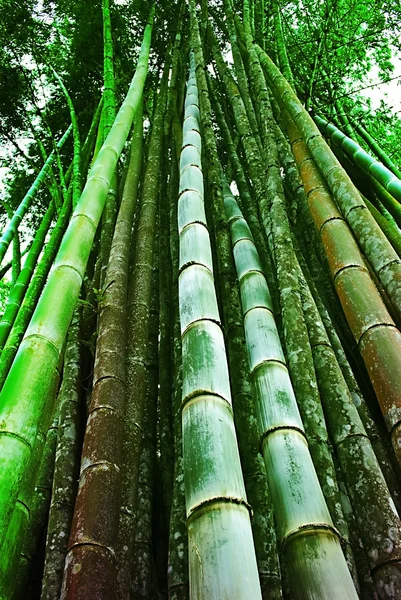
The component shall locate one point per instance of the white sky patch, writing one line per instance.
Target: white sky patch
(389, 92)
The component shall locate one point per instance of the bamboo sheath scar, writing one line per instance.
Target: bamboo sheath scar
(310, 544)
(222, 561)
(374, 330)
(374, 244)
(22, 407)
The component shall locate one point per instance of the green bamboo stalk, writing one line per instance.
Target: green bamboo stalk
(391, 231)
(343, 118)
(26, 202)
(375, 147)
(8, 265)
(18, 292)
(281, 45)
(51, 180)
(12, 543)
(93, 538)
(222, 560)
(177, 572)
(109, 114)
(39, 512)
(367, 163)
(16, 260)
(310, 544)
(22, 399)
(371, 188)
(76, 161)
(138, 305)
(66, 466)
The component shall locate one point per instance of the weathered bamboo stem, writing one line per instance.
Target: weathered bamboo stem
(138, 305)
(143, 576)
(93, 538)
(378, 339)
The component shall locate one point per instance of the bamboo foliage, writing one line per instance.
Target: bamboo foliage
(22, 406)
(310, 543)
(221, 555)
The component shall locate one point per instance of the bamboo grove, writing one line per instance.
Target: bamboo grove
(200, 345)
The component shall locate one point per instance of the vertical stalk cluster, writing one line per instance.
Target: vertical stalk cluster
(310, 544)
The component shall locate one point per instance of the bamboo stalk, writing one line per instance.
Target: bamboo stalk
(222, 560)
(92, 543)
(138, 306)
